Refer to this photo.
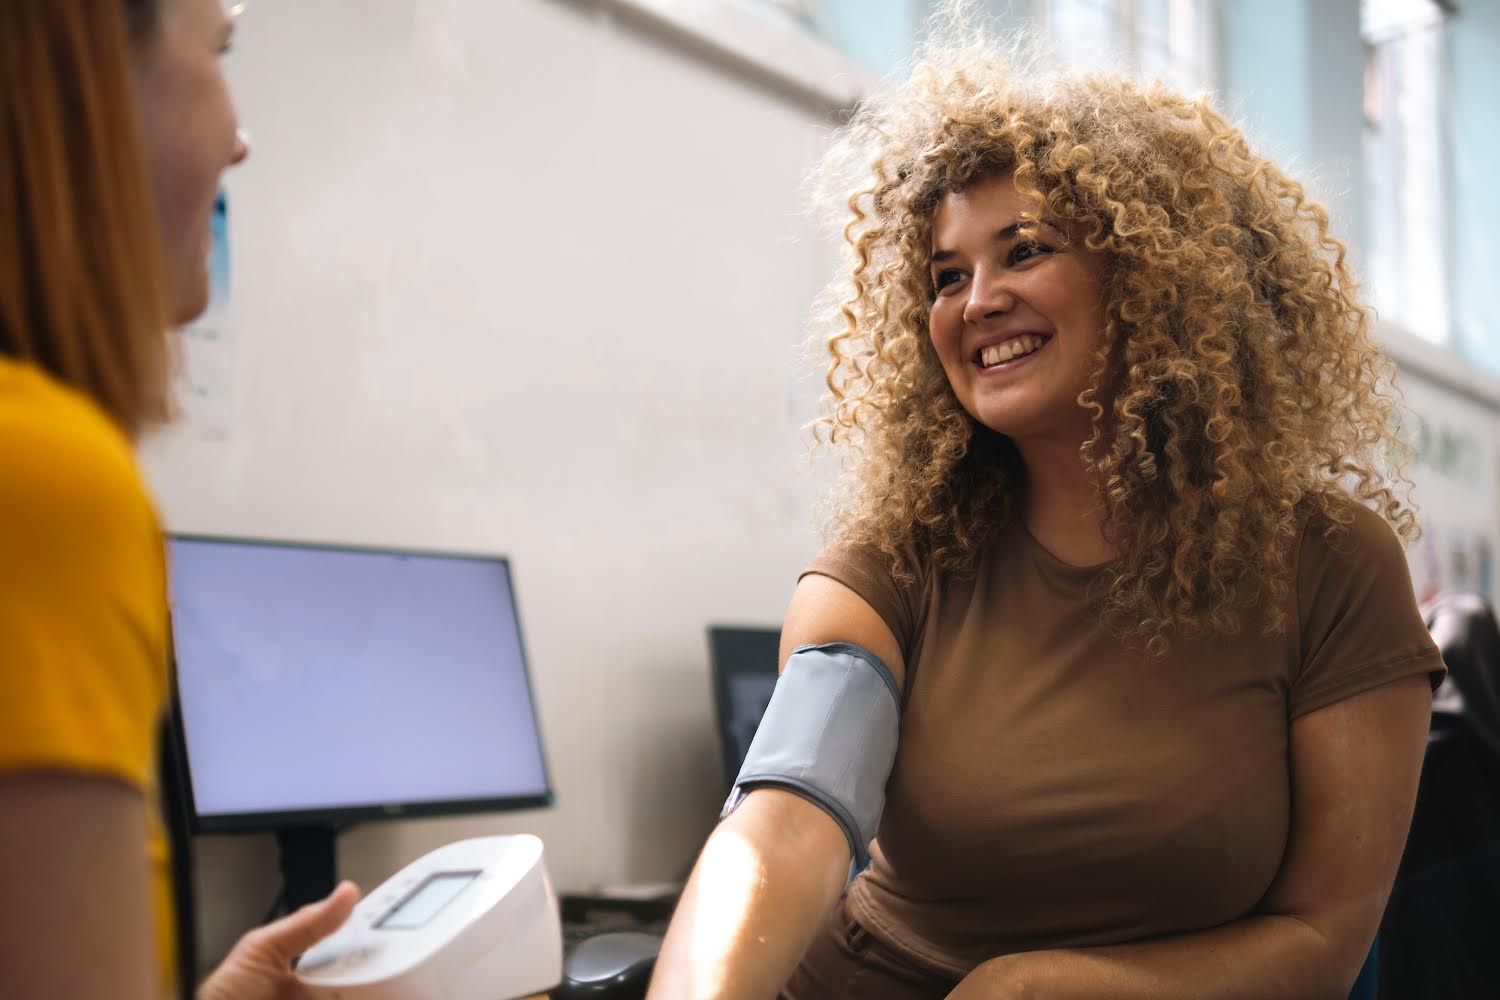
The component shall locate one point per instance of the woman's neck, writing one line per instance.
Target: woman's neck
(1062, 509)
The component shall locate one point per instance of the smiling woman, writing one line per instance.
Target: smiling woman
(1121, 522)
(1187, 290)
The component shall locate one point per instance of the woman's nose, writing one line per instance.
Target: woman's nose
(241, 146)
(988, 297)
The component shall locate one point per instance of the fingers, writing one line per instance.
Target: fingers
(295, 933)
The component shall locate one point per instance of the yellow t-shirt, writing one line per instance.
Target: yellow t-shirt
(83, 603)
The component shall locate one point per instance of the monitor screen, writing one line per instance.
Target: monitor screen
(319, 684)
(745, 664)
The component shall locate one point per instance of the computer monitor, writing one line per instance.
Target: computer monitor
(321, 685)
(745, 665)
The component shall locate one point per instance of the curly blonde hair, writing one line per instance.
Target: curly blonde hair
(1236, 391)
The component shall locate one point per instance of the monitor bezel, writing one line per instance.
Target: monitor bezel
(339, 816)
(722, 671)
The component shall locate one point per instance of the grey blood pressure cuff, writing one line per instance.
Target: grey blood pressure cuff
(829, 734)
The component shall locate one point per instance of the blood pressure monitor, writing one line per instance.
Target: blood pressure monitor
(475, 920)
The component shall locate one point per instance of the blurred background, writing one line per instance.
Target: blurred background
(534, 276)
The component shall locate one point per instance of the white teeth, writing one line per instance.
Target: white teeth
(1011, 349)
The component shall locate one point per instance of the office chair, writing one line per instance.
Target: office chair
(1438, 936)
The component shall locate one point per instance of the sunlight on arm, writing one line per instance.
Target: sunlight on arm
(733, 874)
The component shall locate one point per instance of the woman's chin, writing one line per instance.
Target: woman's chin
(1023, 425)
(1006, 419)
(191, 300)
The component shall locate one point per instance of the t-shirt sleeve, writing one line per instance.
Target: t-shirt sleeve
(868, 573)
(1358, 618)
(82, 601)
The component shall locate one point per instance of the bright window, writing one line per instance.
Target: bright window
(1175, 41)
(1406, 147)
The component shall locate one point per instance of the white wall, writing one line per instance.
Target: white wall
(1453, 425)
(518, 277)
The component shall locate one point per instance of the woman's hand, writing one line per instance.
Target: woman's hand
(260, 965)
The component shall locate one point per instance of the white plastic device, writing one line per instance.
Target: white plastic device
(474, 920)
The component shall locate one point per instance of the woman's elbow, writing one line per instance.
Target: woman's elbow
(1337, 945)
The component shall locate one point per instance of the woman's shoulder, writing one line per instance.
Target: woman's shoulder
(893, 583)
(67, 465)
(1341, 535)
(1350, 561)
(1357, 617)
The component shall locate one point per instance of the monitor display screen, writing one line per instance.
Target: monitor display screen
(333, 682)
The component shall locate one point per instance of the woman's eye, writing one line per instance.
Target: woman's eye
(946, 277)
(1022, 252)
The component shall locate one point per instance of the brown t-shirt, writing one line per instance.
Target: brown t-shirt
(1053, 788)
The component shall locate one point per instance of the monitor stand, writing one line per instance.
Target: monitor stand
(309, 864)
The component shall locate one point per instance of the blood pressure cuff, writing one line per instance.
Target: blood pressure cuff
(829, 735)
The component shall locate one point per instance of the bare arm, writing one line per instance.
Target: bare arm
(1354, 767)
(771, 872)
(76, 921)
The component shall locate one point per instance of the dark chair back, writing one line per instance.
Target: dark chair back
(1443, 919)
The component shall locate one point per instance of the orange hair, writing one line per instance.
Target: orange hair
(82, 284)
